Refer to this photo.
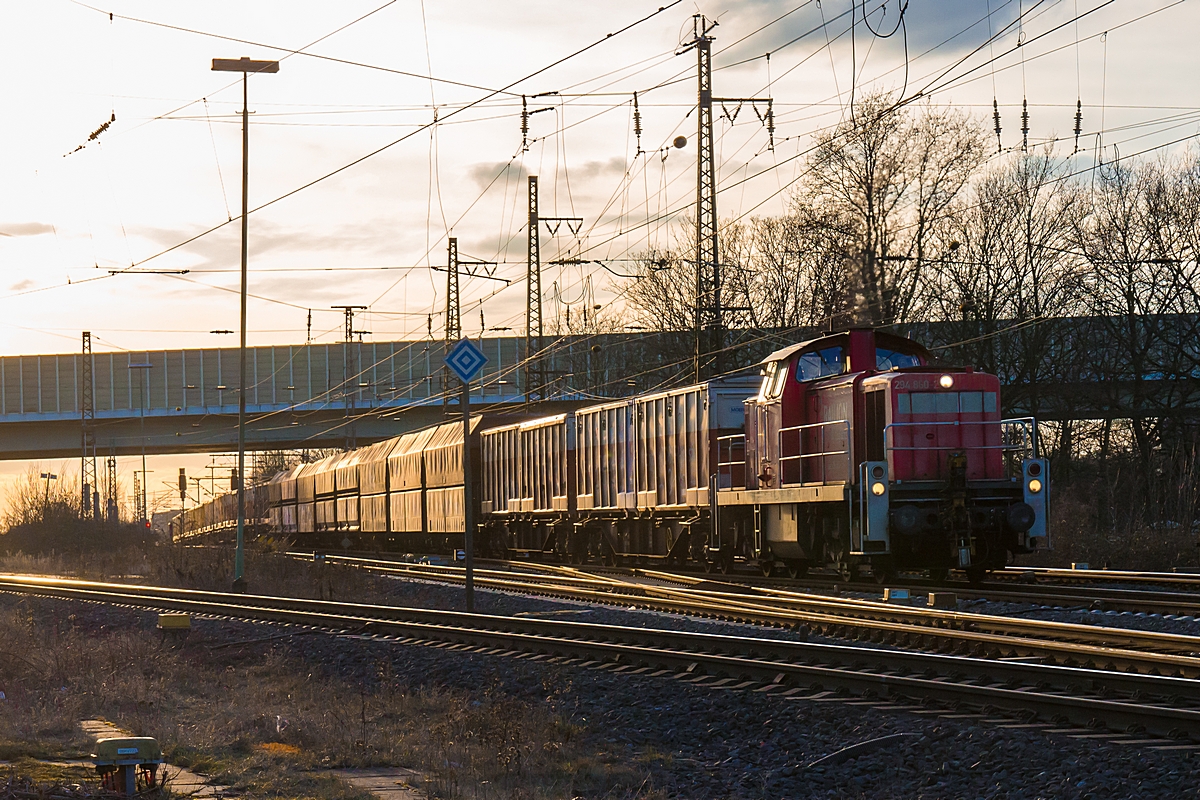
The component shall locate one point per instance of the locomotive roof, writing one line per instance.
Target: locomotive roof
(881, 338)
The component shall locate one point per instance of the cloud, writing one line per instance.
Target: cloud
(25, 228)
(21, 285)
(600, 169)
(484, 174)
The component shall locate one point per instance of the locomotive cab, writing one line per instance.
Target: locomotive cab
(859, 450)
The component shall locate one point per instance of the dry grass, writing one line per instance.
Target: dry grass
(262, 721)
(1087, 526)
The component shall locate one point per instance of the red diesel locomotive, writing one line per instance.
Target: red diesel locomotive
(855, 452)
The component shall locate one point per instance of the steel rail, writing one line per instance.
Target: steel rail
(1003, 637)
(778, 665)
(1184, 579)
(1018, 590)
(1031, 590)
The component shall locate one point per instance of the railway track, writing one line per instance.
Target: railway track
(1009, 693)
(1183, 581)
(915, 628)
(1181, 602)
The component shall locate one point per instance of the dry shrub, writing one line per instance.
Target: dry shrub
(262, 719)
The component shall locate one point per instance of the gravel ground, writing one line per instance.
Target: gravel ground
(693, 742)
(1165, 623)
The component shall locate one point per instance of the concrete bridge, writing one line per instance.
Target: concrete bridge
(323, 395)
(298, 396)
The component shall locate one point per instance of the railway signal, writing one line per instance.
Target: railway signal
(465, 360)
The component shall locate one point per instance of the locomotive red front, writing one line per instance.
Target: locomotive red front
(857, 452)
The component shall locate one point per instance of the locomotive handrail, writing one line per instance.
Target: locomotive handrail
(822, 454)
(1030, 427)
(725, 445)
(1027, 424)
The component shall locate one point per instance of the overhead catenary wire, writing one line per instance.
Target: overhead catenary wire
(743, 185)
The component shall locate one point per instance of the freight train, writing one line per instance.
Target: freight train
(852, 450)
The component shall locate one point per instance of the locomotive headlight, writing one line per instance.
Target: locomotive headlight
(1035, 486)
(878, 489)
(946, 381)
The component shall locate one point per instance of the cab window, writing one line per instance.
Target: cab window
(821, 363)
(885, 359)
(774, 375)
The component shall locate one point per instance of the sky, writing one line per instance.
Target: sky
(361, 188)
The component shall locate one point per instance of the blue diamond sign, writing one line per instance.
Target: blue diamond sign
(465, 359)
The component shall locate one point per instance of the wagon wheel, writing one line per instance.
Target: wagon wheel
(797, 568)
(939, 574)
(769, 568)
(975, 575)
(848, 571)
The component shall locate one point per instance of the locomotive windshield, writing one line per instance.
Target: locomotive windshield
(886, 358)
(821, 363)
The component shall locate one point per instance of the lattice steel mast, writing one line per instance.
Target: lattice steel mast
(533, 300)
(453, 311)
(710, 338)
(709, 324)
(535, 370)
(90, 499)
(350, 373)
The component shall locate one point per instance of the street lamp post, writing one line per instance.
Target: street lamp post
(245, 66)
(48, 476)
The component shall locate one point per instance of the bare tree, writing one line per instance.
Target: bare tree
(34, 500)
(785, 274)
(884, 181)
(1139, 239)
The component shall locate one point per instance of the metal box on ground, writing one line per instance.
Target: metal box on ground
(122, 761)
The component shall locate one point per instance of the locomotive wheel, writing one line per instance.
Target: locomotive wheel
(882, 574)
(975, 575)
(725, 562)
(938, 574)
(849, 572)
